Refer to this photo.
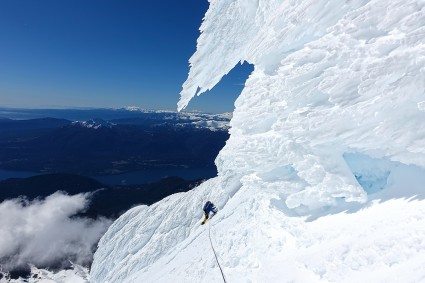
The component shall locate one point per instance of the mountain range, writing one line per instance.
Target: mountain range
(128, 141)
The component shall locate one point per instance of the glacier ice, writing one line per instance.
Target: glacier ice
(332, 111)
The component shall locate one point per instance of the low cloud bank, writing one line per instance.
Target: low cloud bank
(46, 232)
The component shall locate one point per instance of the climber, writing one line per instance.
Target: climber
(209, 207)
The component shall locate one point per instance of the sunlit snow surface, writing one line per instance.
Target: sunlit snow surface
(322, 179)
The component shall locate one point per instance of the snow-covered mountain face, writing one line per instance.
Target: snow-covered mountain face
(322, 179)
(213, 122)
(93, 124)
(184, 119)
(109, 117)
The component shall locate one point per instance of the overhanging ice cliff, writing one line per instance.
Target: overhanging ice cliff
(332, 119)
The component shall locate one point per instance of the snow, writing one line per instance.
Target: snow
(93, 124)
(76, 274)
(213, 122)
(322, 178)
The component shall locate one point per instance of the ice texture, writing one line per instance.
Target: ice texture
(331, 77)
(322, 178)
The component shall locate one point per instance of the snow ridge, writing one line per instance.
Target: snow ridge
(93, 124)
(322, 177)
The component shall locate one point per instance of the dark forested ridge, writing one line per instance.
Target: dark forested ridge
(53, 145)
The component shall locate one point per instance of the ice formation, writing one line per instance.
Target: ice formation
(322, 179)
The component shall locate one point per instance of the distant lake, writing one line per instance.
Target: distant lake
(132, 178)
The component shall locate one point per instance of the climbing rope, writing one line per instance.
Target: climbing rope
(212, 247)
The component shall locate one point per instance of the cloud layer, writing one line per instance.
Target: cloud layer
(46, 232)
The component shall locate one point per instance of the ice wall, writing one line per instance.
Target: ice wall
(330, 78)
(336, 101)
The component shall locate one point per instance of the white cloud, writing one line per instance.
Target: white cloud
(46, 232)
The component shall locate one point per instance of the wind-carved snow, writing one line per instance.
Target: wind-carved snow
(330, 78)
(333, 111)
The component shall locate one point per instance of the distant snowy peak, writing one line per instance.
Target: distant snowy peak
(132, 108)
(76, 274)
(93, 124)
(212, 125)
(226, 115)
(210, 121)
(178, 120)
(195, 119)
(142, 110)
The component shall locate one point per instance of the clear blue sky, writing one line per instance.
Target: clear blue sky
(103, 53)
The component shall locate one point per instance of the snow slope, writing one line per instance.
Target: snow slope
(323, 177)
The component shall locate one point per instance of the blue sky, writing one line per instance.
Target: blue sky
(103, 53)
